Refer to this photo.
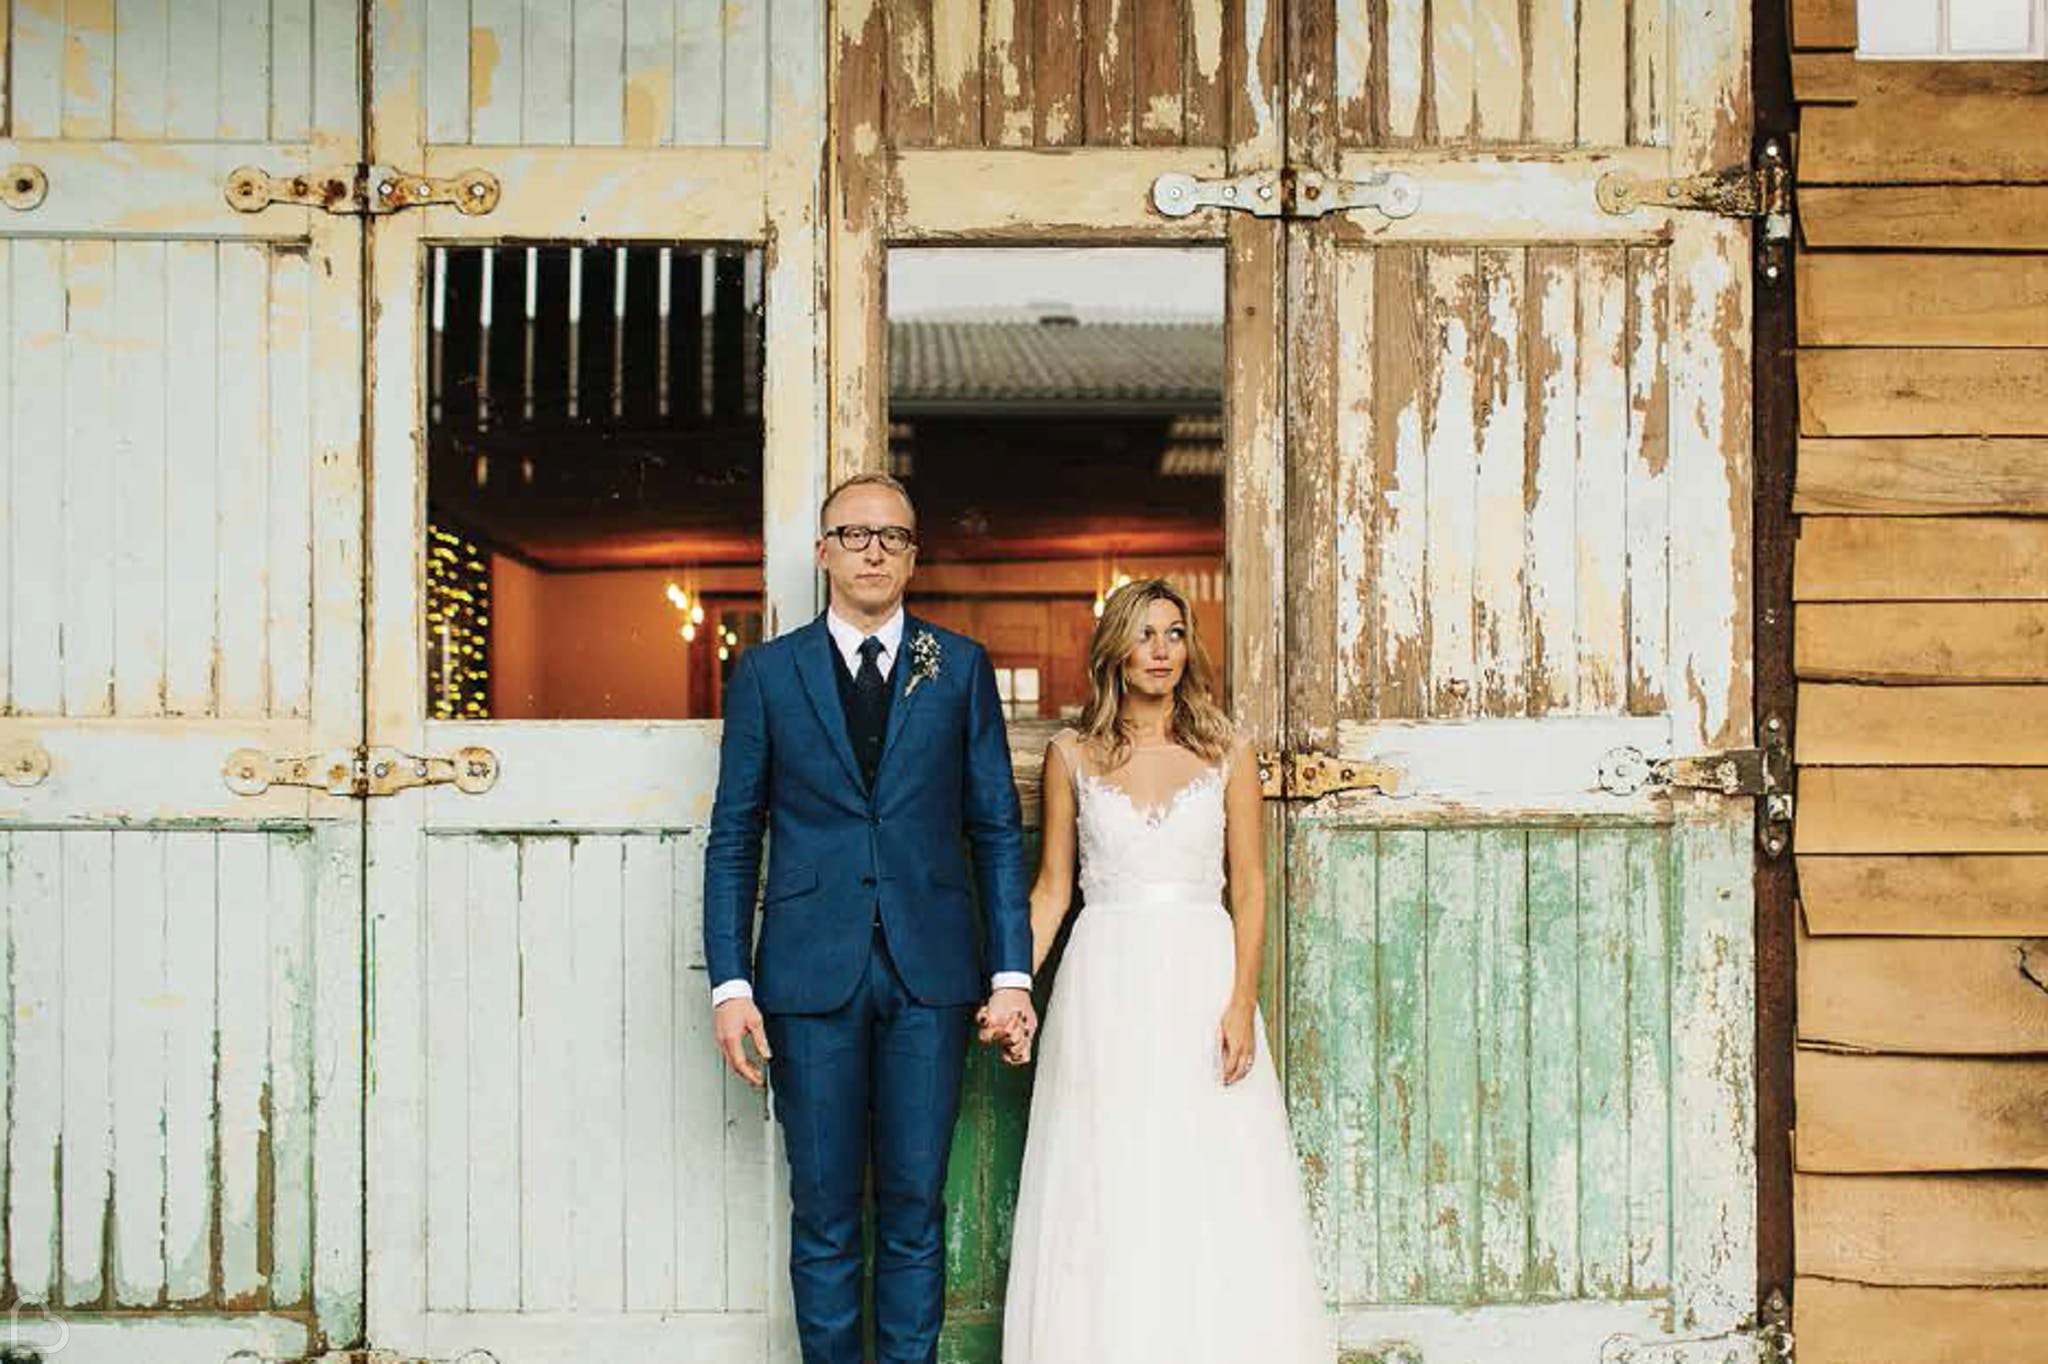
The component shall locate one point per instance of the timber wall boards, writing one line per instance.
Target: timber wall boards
(1921, 626)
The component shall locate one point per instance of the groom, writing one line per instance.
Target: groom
(868, 742)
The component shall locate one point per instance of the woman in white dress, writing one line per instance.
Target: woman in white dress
(1159, 1220)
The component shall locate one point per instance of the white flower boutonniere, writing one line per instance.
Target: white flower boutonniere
(924, 660)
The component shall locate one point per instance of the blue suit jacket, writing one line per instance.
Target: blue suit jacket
(837, 854)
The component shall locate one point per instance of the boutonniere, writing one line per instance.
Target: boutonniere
(924, 660)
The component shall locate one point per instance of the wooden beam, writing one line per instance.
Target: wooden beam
(1951, 642)
(1923, 392)
(1918, 299)
(1990, 895)
(1961, 217)
(1881, 558)
(1924, 996)
(1893, 1114)
(1922, 809)
(1923, 1229)
(1922, 726)
(1824, 24)
(1904, 476)
(1851, 1323)
(1824, 77)
(1979, 123)
(1097, 194)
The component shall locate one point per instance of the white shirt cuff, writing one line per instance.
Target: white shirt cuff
(1010, 980)
(731, 989)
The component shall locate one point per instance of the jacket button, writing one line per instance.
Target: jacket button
(867, 880)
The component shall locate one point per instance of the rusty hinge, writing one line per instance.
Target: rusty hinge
(1289, 193)
(1762, 191)
(360, 772)
(1764, 772)
(1290, 774)
(362, 190)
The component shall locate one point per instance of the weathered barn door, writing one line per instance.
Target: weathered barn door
(180, 526)
(1519, 1009)
(558, 1168)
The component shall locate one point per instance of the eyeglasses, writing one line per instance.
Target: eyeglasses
(895, 539)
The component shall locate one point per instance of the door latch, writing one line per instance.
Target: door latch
(1762, 191)
(1293, 774)
(360, 773)
(362, 190)
(1765, 773)
(1289, 193)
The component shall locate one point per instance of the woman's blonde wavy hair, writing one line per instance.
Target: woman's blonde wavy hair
(1197, 723)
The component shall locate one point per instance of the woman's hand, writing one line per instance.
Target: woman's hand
(1237, 1036)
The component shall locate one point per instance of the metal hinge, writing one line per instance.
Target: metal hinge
(362, 190)
(1289, 774)
(1762, 191)
(360, 772)
(1289, 193)
(1765, 773)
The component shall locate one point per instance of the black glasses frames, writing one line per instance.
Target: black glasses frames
(895, 539)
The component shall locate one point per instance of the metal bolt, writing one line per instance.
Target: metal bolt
(1774, 845)
(1265, 191)
(1230, 191)
(478, 189)
(419, 767)
(383, 769)
(1770, 272)
(386, 189)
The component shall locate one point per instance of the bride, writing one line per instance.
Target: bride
(1159, 1220)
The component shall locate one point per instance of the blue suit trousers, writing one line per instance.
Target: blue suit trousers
(883, 1055)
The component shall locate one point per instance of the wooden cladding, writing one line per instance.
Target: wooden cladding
(1847, 1323)
(1929, 123)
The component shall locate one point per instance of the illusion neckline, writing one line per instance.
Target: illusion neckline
(1154, 815)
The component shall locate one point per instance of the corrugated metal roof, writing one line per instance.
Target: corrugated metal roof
(1053, 360)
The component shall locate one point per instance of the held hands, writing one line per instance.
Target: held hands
(732, 1023)
(1009, 1021)
(1237, 1039)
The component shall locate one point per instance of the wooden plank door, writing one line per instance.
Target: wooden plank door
(558, 1167)
(179, 444)
(1519, 1009)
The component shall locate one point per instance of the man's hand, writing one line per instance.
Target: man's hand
(1009, 1019)
(732, 1023)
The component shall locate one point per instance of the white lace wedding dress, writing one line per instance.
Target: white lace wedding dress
(1159, 1219)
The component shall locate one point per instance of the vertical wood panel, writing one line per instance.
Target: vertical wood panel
(1160, 65)
(289, 460)
(550, 1127)
(193, 490)
(35, 904)
(599, 106)
(1405, 67)
(1649, 1063)
(10, 953)
(495, 907)
(1109, 72)
(1404, 1074)
(1357, 91)
(1499, 79)
(290, 1127)
(1500, 591)
(1601, 581)
(700, 73)
(1452, 57)
(909, 104)
(141, 68)
(746, 74)
(88, 937)
(1503, 1045)
(245, 70)
(1649, 113)
(191, 893)
(140, 492)
(652, 991)
(1603, 1058)
(595, 1035)
(1402, 358)
(193, 57)
(35, 376)
(447, 902)
(89, 470)
(88, 67)
(1206, 123)
(1358, 522)
(648, 115)
(1009, 47)
(956, 73)
(139, 1066)
(1553, 72)
(497, 68)
(547, 74)
(36, 69)
(445, 78)
(1453, 287)
(1453, 1031)
(1603, 73)
(699, 1131)
(1554, 1187)
(291, 65)
(1552, 479)
(244, 1023)
(1648, 489)
(243, 660)
(1056, 72)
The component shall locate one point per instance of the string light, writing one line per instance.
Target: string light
(458, 620)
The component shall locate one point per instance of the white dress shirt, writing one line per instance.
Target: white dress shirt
(848, 639)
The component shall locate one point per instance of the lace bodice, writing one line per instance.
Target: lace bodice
(1131, 851)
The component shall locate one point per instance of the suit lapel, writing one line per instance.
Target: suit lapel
(899, 683)
(814, 665)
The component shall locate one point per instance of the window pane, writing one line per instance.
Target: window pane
(1058, 417)
(1898, 28)
(594, 448)
(1992, 27)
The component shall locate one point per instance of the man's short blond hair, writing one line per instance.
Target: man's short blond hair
(872, 479)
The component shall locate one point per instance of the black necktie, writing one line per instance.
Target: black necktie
(868, 680)
(870, 710)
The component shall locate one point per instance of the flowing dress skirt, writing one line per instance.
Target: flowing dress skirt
(1159, 1220)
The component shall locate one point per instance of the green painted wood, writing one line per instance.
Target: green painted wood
(1451, 1030)
(1553, 1064)
(1403, 1203)
(1649, 1063)
(1603, 1061)
(1501, 892)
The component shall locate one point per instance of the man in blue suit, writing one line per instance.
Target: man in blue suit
(868, 743)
